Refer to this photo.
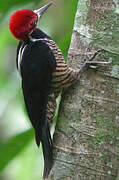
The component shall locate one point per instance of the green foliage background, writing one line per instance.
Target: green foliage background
(20, 159)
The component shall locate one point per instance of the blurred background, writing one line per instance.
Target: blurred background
(20, 159)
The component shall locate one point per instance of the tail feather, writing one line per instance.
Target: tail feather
(45, 138)
(47, 150)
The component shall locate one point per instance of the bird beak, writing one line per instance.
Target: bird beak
(40, 11)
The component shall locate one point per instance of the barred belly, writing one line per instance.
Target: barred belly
(62, 77)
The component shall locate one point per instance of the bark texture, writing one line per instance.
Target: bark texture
(86, 140)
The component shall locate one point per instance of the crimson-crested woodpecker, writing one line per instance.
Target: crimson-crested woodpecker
(44, 74)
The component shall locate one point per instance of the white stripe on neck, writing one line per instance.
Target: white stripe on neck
(20, 55)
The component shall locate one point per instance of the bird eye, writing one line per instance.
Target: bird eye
(33, 24)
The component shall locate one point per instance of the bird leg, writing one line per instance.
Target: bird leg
(88, 58)
(90, 63)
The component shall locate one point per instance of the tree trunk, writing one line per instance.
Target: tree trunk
(86, 140)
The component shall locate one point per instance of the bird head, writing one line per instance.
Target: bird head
(24, 22)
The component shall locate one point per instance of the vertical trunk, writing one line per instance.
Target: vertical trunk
(86, 140)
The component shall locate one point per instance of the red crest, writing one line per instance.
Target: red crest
(22, 23)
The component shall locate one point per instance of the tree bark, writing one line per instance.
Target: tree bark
(86, 139)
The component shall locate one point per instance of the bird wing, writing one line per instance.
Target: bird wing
(37, 65)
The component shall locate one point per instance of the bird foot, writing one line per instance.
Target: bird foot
(90, 63)
(95, 64)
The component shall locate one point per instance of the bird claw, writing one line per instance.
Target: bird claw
(94, 64)
(88, 58)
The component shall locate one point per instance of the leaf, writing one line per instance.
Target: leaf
(13, 147)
